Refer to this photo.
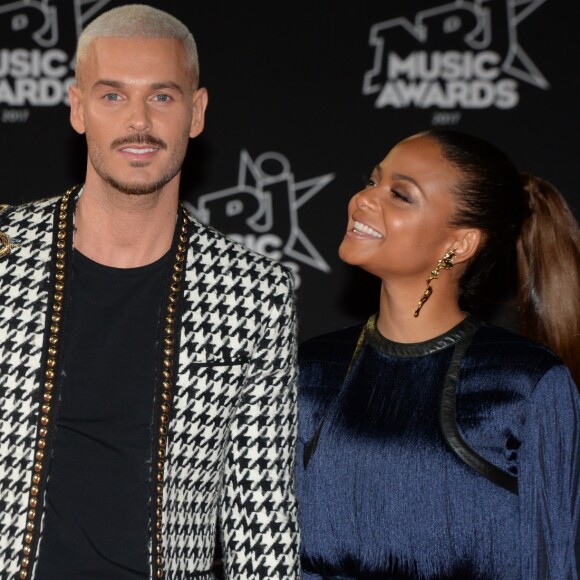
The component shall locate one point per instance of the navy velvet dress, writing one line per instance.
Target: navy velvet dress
(457, 457)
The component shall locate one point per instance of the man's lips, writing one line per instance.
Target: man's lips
(138, 144)
(139, 150)
(360, 228)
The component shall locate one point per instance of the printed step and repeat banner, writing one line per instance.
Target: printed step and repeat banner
(305, 97)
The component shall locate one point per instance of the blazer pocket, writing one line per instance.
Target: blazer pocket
(221, 363)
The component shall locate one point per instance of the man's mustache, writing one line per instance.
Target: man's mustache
(139, 139)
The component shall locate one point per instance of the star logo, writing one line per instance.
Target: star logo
(86, 10)
(262, 210)
(24, 16)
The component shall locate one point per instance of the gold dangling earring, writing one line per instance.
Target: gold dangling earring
(445, 263)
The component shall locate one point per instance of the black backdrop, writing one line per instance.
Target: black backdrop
(305, 97)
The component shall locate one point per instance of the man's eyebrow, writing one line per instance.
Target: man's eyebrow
(166, 85)
(109, 83)
(153, 86)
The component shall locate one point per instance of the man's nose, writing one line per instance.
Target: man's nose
(139, 117)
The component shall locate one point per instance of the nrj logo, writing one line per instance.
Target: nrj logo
(40, 74)
(460, 54)
(262, 210)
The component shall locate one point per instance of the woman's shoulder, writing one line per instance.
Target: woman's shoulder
(504, 340)
(502, 349)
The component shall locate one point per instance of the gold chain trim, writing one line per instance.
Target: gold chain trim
(33, 515)
(167, 387)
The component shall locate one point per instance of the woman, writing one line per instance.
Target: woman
(432, 445)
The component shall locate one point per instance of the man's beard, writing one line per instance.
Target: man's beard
(129, 188)
(138, 188)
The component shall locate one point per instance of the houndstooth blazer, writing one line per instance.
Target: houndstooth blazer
(232, 428)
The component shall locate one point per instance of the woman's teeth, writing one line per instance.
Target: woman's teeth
(364, 229)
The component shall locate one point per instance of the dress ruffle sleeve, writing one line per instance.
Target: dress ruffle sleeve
(549, 479)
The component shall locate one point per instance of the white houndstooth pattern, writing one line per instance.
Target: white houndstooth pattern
(23, 295)
(232, 436)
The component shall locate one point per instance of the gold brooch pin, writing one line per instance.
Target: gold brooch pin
(6, 245)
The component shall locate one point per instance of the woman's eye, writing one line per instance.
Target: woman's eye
(369, 181)
(402, 196)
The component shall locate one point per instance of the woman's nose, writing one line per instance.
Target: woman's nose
(364, 200)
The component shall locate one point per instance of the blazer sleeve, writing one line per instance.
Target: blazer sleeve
(549, 486)
(259, 510)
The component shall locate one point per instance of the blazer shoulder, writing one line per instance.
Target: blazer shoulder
(233, 256)
(31, 209)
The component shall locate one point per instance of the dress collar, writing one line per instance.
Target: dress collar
(466, 327)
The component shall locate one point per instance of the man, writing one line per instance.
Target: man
(146, 362)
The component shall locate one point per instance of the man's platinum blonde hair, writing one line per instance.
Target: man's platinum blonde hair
(138, 21)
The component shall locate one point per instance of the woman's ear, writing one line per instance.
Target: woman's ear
(467, 242)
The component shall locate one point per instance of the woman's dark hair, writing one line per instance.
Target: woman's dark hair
(529, 234)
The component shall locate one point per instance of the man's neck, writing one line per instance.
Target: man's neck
(125, 231)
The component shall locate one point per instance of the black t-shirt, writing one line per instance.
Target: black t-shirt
(97, 519)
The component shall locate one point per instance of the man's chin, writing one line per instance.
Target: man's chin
(138, 188)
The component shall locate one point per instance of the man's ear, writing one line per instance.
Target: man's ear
(77, 116)
(467, 242)
(199, 107)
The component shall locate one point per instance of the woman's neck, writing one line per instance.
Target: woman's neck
(397, 322)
